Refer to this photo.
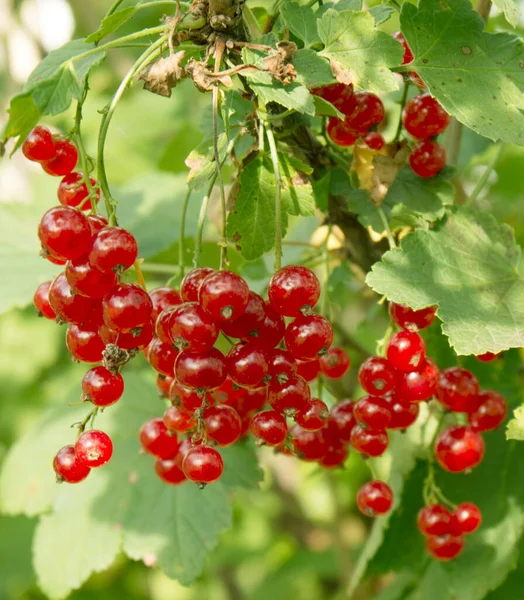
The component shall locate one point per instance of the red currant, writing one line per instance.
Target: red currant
(410, 319)
(375, 498)
(113, 249)
(162, 298)
(169, 472)
(52, 259)
(247, 365)
(224, 295)
(185, 446)
(41, 301)
(251, 400)
(487, 356)
(127, 307)
(281, 365)
(343, 417)
(338, 94)
(445, 547)
(192, 329)
(203, 465)
(459, 448)
(308, 336)
(163, 385)
(69, 307)
(128, 340)
(334, 363)
(178, 420)
(203, 370)
(434, 519)
(368, 441)
(419, 385)
(313, 416)
(340, 133)
(94, 448)
(96, 223)
(85, 343)
(377, 376)
(427, 158)
(408, 55)
(374, 141)
(185, 398)
(270, 333)
(406, 350)
(335, 456)
(67, 466)
(162, 357)
(39, 145)
(63, 161)
(467, 517)
(423, 117)
(294, 394)
(156, 439)
(403, 413)
(458, 389)
(88, 281)
(368, 111)
(223, 424)
(251, 320)
(373, 411)
(293, 290)
(308, 369)
(309, 445)
(101, 387)
(190, 285)
(490, 412)
(73, 191)
(163, 324)
(269, 427)
(65, 233)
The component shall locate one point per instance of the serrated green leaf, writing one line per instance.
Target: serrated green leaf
(325, 108)
(366, 210)
(351, 39)
(515, 430)
(468, 267)
(301, 21)
(312, 69)
(110, 24)
(477, 77)
(510, 9)
(381, 13)
(201, 162)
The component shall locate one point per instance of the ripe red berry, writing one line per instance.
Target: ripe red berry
(406, 350)
(309, 445)
(423, 117)
(375, 498)
(270, 332)
(292, 290)
(162, 298)
(94, 448)
(410, 319)
(39, 145)
(419, 385)
(113, 249)
(487, 356)
(269, 427)
(434, 519)
(163, 385)
(68, 306)
(127, 307)
(162, 357)
(458, 389)
(427, 158)
(373, 411)
(294, 394)
(185, 398)
(96, 223)
(308, 336)
(128, 340)
(169, 471)
(343, 417)
(490, 412)
(368, 111)
(163, 324)
(374, 141)
(459, 448)
(63, 161)
(313, 416)
(403, 412)
(334, 363)
(88, 281)
(281, 365)
(73, 191)
(156, 439)
(250, 321)
(41, 301)
(185, 446)
(340, 133)
(178, 420)
(203, 465)
(377, 376)
(84, 343)
(101, 387)
(192, 329)
(467, 517)
(247, 365)
(339, 94)
(408, 55)
(203, 370)
(190, 285)
(335, 456)
(67, 466)
(65, 233)
(223, 424)
(308, 369)
(368, 441)
(224, 295)
(445, 547)
(52, 259)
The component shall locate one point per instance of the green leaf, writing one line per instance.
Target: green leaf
(201, 162)
(110, 24)
(301, 21)
(351, 40)
(16, 571)
(325, 108)
(510, 9)
(468, 267)
(312, 69)
(366, 210)
(477, 77)
(381, 13)
(515, 430)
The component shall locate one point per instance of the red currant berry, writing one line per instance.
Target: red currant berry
(269, 427)
(434, 519)
(202, 371)
(178, 420)
(270, 333)
(41, 301)
(368, 111)
(368, 441)
(410, 319)
(163, 385)
(162, 357)
(96, 223)
(423, 117)
(334, 363)
(444, 547)
(377, 376)
(281, 365)
(458, 389)
(340, 133)
(223, 424)
(203, 465)
(490, 412)
(162, 298)
(247, 365)
(374, 141)
(313, 416)
(69, 307)
(190, 285)
(294, 394)
(73, 191)
(128, 340)
(163, 324)
(308, 336)
(64, 232)
(406, 350)
(156, 439)
(408, 55)
(192, 329)
(224, 295)
(63, 161)
(84, 343)
(84, 279)
(403, 413)
(427, 158)
(459, 448)
(373, 411)
(185, 446)
(293, 290)
(101, 387)
(375, 498)
(169, 472)
(67, 466)
(343, 417)
(39, 145)
(253, 400)
(338, 94)
(309, 445)
(114, 249)
(127, 307)
(186, 398)
(419, 385)
(487, 356)
(308, 369)
(467, 517)
(52, 259)
(94, 448)
(250, 321)
(336, 455)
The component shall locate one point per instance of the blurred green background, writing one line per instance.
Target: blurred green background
(300, 534)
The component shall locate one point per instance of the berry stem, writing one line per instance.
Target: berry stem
(485, 176)
(139, 274)
(83, 424)
(201, 222)
(278, 199)
(402, 104)
(389, 233)
(182, 234)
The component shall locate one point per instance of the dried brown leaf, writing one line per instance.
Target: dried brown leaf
(163, 75)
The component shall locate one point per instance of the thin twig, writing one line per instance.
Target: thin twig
(485, 176)
(402, 104)
(278, 198)
(182, 233)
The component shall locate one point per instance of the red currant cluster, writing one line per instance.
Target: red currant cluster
(396, 385)
(57, 155)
